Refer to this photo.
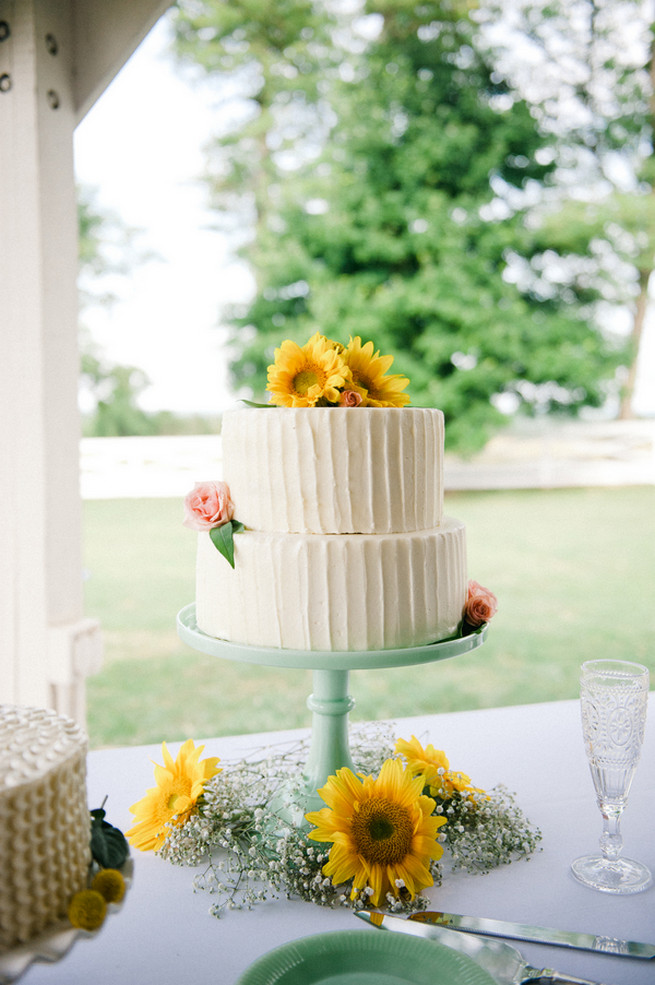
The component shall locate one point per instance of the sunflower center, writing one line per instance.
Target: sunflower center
(361, 379)
(178, 795)
(382, 831)
(304, 380)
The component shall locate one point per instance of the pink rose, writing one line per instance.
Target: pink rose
(208, 505)
(350, 398)
(481, 605)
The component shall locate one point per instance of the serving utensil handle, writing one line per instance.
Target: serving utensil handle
(547, 975)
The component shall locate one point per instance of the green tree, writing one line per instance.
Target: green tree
(118, 413)
(105, 249)
(402, 232)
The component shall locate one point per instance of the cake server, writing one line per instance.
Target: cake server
(502, 961)
(537, 935)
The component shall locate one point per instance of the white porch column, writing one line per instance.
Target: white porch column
(56, 56)
(46, 646)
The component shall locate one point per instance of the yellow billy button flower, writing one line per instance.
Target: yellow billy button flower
(87, 910)
(110, 884)
(382, 831)
(369, 377)
(432, 767)
(179, 784)
(301, 377)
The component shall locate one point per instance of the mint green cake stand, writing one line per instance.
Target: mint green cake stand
(329, 701)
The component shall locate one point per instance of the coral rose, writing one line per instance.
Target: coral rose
(208, 505)
(481, 605)
(350, 398)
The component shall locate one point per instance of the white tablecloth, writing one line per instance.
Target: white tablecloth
(164, 934)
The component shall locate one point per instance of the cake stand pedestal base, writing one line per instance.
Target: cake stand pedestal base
(329, 702)
(330, 705)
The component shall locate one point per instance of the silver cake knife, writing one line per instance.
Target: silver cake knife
(537, 935)
(504, 963)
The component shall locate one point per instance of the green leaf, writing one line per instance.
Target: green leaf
(109, 847)
(251, 403)
(223, 538)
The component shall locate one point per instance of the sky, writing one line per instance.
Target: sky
(141, 149)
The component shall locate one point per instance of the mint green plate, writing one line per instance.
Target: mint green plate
(355, 957)
(187, 630)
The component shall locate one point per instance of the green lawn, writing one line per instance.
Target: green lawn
(574, 572)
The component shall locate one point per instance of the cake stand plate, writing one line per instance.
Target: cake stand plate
(329, 702)
(55, 942)
(188, 632)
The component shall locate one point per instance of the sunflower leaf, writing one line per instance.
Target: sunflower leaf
(109, 847)
(252, 403)
(223, 539)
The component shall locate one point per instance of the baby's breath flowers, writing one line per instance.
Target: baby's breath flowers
(489, 832)
(246, 847)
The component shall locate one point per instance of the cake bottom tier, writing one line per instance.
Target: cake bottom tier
(334, 592)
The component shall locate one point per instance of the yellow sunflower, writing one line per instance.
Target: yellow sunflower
(432, 767)
(301, 377)
(382, 831)
(369, 377)
(179, 784)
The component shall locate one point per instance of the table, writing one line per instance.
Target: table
(164, 934)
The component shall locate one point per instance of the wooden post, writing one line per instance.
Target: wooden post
(47, 647)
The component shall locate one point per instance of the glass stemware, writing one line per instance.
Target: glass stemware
(614, 699)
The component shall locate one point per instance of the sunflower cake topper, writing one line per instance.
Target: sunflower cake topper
(324, 373)
(321, 373)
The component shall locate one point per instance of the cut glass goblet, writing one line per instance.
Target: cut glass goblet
(614, 699)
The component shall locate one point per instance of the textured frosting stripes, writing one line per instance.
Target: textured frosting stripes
(335, 470)
(327, 592)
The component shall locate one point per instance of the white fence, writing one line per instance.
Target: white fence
(536, 457)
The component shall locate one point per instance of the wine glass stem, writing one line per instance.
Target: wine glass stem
(611, 841)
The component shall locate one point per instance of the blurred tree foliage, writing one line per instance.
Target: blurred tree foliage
(107, 252)
(387, 171)
(273, 61)
(104, 244)
(589, 76)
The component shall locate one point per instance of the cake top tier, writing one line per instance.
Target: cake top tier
(331, 470)
(32, 741)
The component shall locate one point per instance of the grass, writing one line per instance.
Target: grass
(573, 570)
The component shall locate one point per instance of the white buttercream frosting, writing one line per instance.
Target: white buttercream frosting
(334, 592)
(345, 546)
(335, 470)
(44, 820)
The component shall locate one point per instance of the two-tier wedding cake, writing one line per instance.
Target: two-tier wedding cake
(327, 530)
